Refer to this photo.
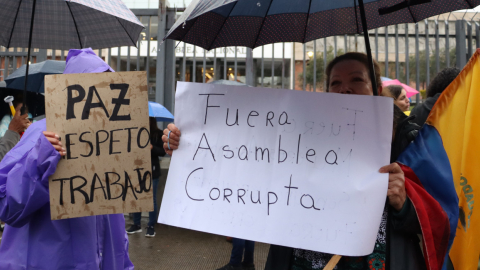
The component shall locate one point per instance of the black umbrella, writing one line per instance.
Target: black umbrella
(66, 24)
(251, 23)
(36, 75)
(34, 101)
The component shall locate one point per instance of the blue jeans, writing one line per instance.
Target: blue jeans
(152, 216)
(237, 251)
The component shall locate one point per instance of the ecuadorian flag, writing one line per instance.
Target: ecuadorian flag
(456, 118)
(444, 160)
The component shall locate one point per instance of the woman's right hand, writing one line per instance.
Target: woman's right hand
(170, 144)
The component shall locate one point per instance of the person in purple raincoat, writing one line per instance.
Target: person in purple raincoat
(32, 240)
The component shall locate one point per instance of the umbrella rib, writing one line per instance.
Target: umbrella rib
(226, 18)
(306, 23)
(468, 2)
(264, 18)
(411, 14)
(133, 42)
(75, 23)
(356, 17)
(14, 23)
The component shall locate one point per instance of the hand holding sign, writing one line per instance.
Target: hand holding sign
(396, 185)
(102, 120)
(19, 122)
(251, 159)
(171, 138)
(54, 139)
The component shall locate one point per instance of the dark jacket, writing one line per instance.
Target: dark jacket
(403, 245)
(157, 151)
(421, 111)
(403, 250)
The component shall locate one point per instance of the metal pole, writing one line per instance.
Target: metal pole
(283, 65)
(470, 40)
(273, 65)
(304, 67)
(128, 58)
(407, 56)
(249, 68)
(447, 43)
(236, 66)
(262, 71)
(386, 51)
(427, 52)
(437, 46)
(460, 46)
(225, 63)
(314, 88)
(184, 62)
(194, 66)
(293, 66)
(417, 61)
(324, 61)
(477, 34)
(397, 65)
(204, 65)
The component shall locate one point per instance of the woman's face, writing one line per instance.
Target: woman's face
(402, 101)
(350, 77)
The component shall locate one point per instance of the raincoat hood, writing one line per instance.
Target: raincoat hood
(85, 61)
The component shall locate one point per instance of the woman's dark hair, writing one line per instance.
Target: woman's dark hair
(360, 57)
(395, 91)
(154, 130)
(398, 116)
(443, 79)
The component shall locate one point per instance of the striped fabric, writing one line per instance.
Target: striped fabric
(64, 25)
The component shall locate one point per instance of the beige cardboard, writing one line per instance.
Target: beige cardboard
(119, 161)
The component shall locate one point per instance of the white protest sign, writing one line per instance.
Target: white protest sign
(289, 168)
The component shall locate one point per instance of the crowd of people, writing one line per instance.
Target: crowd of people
(29, 155)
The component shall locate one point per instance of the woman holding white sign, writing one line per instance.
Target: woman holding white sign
(397, 246)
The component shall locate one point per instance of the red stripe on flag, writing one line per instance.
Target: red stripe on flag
(433, 220)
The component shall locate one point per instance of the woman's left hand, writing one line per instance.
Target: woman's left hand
(396, 185)
(55, 141)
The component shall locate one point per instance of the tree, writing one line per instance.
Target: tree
(432, 65)
(320, 72)
(412, 64)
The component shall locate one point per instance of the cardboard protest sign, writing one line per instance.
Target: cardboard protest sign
(290, 168)
(102, 120)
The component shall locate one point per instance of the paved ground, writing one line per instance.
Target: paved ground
(175, 248)
(179, 249)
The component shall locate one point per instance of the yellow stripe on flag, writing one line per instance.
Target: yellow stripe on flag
(456, 116)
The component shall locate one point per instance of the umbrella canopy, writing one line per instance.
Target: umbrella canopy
(159, 112)
(385, 79)
(251, 23)
(67, 24)
(410, 91)
(36, 75)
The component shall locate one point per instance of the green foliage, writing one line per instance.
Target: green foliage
(320, 72)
